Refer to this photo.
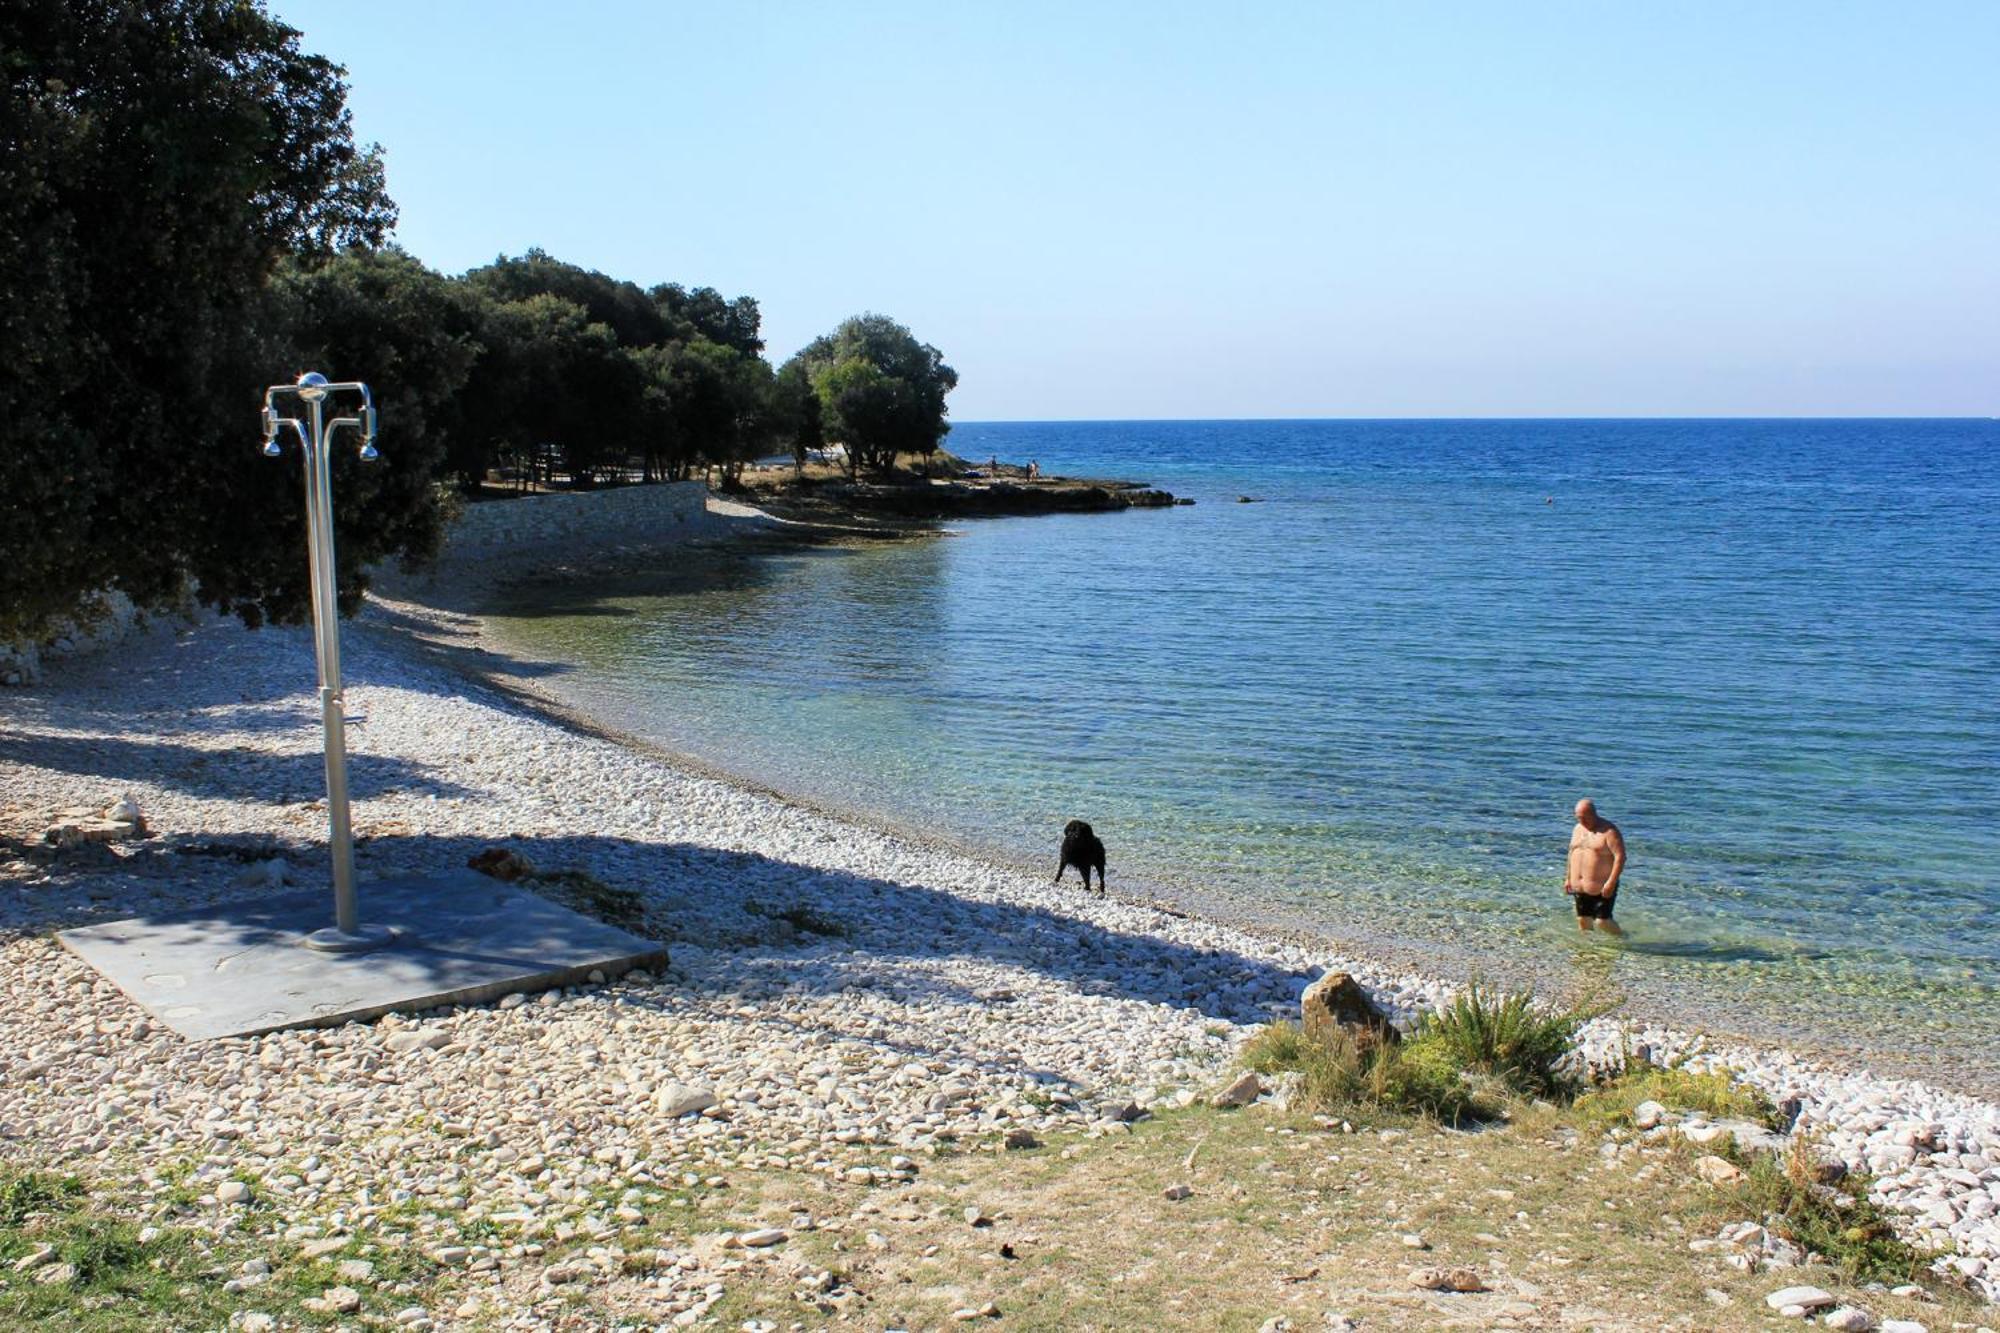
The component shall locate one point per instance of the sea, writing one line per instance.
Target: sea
(1357, 687)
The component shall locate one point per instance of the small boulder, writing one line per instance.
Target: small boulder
(420, 1039)
(35, 1258)
(678, 1099)
(1718, 1171)
(762, 1238)
(1809, 1298)
(1848, 1319)
(1648, 1115)
(56, 1275)
(1241, 1091)
(1337, 1004)
(1447, 1279)
(232, 1191)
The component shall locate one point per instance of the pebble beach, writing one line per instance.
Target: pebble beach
(840, 999)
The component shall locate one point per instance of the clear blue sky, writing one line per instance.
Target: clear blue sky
(1211, 210)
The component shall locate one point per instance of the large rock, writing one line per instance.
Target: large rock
(1337, 1004)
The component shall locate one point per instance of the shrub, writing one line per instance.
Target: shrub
(1840, 1224)
(1341, 1074)
(1508, 1037)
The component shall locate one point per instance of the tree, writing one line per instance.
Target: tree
(413, 334)
(881, 391)
(706, 313)
(548, 374)
(631, 315)
(721, 404)
(160, 158)
(795, 411)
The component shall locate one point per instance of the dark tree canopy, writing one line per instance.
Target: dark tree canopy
(706, 313)
(630, 314)
(160, 157)
(185, 218)
(881, 392)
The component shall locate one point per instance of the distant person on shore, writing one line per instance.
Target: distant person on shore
(1596, 860)
(1034, 470)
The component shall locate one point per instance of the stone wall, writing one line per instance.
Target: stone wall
(489, 538)
(115, 617)
(576, 520)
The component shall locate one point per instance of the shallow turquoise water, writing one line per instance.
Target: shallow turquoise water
(1769, 649)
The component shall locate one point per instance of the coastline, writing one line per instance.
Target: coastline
(1126, 999)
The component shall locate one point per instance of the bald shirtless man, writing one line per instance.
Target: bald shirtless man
(1596, 860)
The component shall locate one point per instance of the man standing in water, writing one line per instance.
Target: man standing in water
(1596, 860)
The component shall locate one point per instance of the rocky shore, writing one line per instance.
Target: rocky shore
(840, 1001)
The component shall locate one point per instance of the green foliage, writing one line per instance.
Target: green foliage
(1507, 1037)
(161, 159)
(25, 1193)
(1839, 1224)
(1677, 1088)
(1342, 1075)
(796, 412)
(881, 391)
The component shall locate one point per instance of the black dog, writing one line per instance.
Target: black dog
(1080, 848)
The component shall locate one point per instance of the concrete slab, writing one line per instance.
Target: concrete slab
(239, 968)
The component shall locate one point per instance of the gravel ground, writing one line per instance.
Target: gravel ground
(839, 1000)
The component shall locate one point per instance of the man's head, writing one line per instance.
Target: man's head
(1586, 813)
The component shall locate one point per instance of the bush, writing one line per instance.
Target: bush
(1840, 1224)
(1342, 1075)
(1507, 1037)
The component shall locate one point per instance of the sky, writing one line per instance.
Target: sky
(1119, 211)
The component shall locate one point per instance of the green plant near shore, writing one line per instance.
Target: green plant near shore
(1508, 1037)
(1715, 1093)
(1460, 1064)
(1838, 1223)
(1341, 1074)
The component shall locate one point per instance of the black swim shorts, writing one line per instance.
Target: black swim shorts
(1595, 907)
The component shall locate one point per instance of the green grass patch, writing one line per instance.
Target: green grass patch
(1715, 1093)
(120, 1283)
(25, 1193)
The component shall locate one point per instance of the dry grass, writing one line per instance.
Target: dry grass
(1289, 1217)
(1570, 1223)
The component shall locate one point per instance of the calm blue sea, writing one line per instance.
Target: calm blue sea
(1769, 649)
